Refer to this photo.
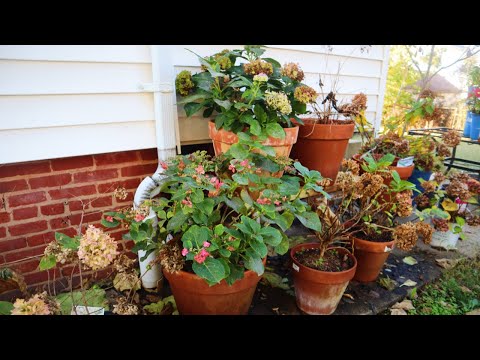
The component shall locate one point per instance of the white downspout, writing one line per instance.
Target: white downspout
(163, 89)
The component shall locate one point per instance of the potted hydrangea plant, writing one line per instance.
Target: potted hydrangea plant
(219, 218)
(242, 91)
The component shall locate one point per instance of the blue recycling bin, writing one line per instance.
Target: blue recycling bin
(475, 127)
(468, 124)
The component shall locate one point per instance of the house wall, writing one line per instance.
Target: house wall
(75, 122)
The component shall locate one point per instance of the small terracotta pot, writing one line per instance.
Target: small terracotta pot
(404, 172)
(371, 257)
(194, 296)
(223, 140)
(319, 292)
(322, 147)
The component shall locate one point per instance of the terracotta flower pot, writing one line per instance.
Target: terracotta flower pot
(404, 172)
(322, 147)
(319, 292)
(371, 257)
(195, 297)
(223, 140)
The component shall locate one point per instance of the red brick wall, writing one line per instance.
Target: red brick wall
(41, 197)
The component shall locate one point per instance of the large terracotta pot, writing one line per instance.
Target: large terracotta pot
(223, 140)
(194, 296)
(322, 147)
(371, 257)
(319, 292)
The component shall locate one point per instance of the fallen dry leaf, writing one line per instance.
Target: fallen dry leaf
(410, 260)
(404, 305)
(465, 289)
(409, 283)
(387, 283)
(473, 312)
(349, 296)
(398, 312)
(446, 263)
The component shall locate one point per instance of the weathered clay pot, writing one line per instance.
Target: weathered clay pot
(194, 296)
(223, 140)
(404, 172)
(322, 147)
(371, 257)
(319, 292)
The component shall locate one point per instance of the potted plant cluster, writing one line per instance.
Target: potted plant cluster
(448, 201)
(244, 92)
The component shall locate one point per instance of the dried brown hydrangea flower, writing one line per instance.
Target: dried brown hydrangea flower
(426, 231)
(123, 263)
(422, 201)
(404, 203)
(405, 236)
(305, 94)
(429, 186)
(460, 176)
(293, 71)
(371, 184)
(439, 177)
(440, 224)
(458, 189)
(345, 181)
(62, 254)
(258, 67)
(451, 138)
(443, 150)
(473, 186)
(358, 104)
(120, 193)
(351, 165)
(473, 220)
(170, 257)
(124, 308)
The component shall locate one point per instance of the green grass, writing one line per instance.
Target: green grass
(455, 293)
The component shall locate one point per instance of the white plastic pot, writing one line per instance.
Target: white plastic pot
(445, 239)
(150, 277)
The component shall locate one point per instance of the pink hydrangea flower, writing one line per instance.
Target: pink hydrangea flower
(200, 258)
(200, 170)
(206, 244)
(139, 217)
(164, 165)
(215, 182)
(204, 253)
(230, 248)
(109, 218)
(184, 252)
(187, 202)
(244, 163)
(277, 202)
(264, 201)
(460, 202)
(231, 167)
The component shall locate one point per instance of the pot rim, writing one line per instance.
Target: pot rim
(298, 247)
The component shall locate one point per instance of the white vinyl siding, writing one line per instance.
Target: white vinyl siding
(68, 100)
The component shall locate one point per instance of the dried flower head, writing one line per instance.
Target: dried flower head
(443, 150)
(460, 176)
(473, 186)
(124, 308)
(422, 201)
(39, 304)
(351, 165)
(405, 236)
(371, 184)
(305, 94)
(451, 138)
(123, 263)
(171, 258)
(293, 71)
(425, 231)
(97, 249)
(358, 104)
(184, 82)
(458, 189)
(62, 254)
(440, 224)
(473, 220)
(278, 101)
(439, 177)
(258, 67)
(429, 186)
(404, 203)
(261, 77)
(120, 193)
(345, 181)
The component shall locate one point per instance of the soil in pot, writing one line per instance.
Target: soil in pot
(322, 147)
(371, 253)
(318, 292)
